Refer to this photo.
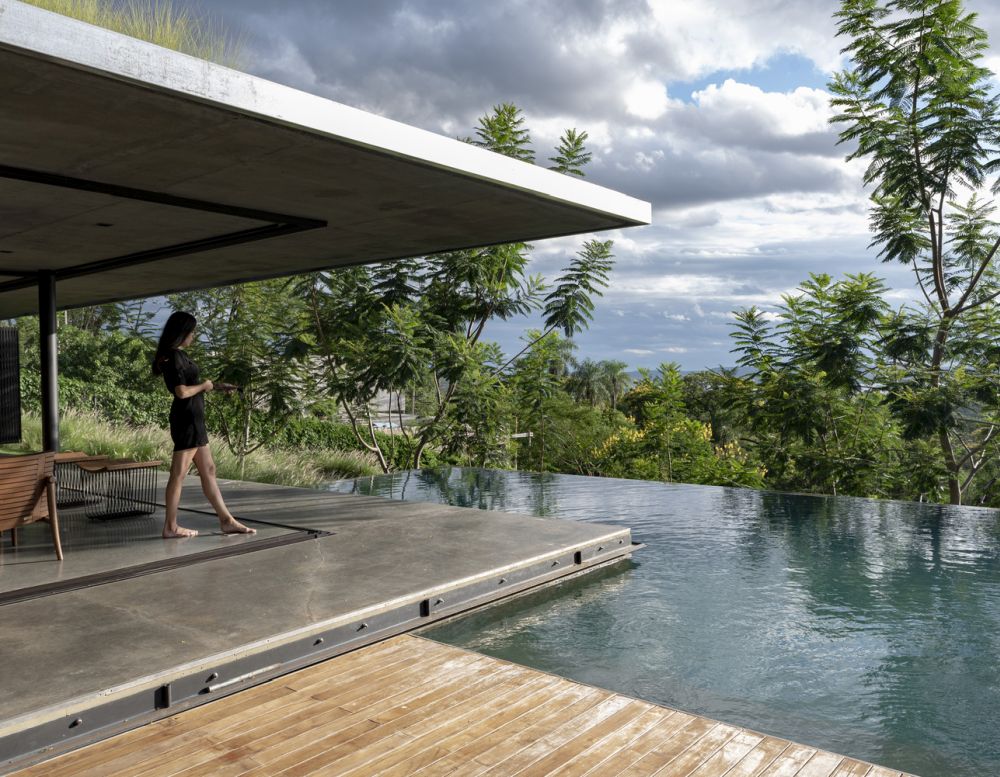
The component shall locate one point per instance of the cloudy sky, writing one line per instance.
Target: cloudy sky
(714, 110)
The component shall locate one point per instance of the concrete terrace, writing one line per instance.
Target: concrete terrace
(93, 657)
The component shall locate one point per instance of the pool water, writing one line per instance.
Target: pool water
(864, 627)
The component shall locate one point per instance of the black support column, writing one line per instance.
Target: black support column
(50, 360)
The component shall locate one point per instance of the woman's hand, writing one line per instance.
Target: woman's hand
(208, 386)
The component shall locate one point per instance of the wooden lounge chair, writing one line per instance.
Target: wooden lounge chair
(28, 494)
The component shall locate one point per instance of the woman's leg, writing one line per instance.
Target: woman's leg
(206, 471)
(179, 466)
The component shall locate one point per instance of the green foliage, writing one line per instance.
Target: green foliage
(574, 432)
(103, 372)
(920, 108)
(667, 444)
(571, 155)
(88, 432)
(570, 305)
(503, 131)
(832, 398)
(416, 329)
(156, 21)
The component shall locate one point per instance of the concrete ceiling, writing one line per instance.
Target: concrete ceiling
(130, 170)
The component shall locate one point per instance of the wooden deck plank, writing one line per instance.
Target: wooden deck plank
(663, 754)
(569, 750)
(505, 741)
(562, 733)
(822, 764)
(700, 751)
(431, 728)
(360, 750)
(601, 750)
(545, 695)
(851, 768)
(465, 745)
(881, 771)
(642, 745)
(759, 758)
(409, 706)
(791, 760)
(727, 756)
(360, 728)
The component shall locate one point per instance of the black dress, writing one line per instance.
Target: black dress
(187, 416)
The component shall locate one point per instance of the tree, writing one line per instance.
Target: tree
(712, 397)
(919, 106)
(616, 379)
(536, 377)
(665, 443)
(571, 155)
(588, 383)
(812, 393)
(420, 325)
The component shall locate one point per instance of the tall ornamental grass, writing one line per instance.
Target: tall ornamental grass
(157, 21)
(303, 468)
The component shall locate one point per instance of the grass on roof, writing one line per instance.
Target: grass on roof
(157, 21)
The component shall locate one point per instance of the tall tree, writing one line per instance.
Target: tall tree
(616, 379)
(422, 323)
(587, 383)
(918, 103)
(810, 388)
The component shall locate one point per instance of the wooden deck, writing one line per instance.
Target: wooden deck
(413, 706)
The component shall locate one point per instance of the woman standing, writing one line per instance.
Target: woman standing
(187, 426)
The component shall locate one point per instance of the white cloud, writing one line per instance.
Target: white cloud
(707, 35)
(737, 108)
(646, 99)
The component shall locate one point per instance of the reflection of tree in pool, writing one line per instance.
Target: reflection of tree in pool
(481, 489)
(954, 659)
(830, 545)
(870, 571)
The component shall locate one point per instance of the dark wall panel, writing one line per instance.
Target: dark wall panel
(10, 386)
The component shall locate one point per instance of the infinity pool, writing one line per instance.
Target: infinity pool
(868, 628)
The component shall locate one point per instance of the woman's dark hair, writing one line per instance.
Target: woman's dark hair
(177, 328)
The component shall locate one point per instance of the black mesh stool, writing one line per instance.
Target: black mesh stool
(70, 491)
(119, 489)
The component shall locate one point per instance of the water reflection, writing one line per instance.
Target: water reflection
(868, 628)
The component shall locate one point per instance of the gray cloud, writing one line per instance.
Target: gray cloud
(749, 188)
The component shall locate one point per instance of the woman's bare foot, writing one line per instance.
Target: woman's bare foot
(232, 526)
(178, 532)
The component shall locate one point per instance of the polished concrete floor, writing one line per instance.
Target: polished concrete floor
(103, 640)
(92, 547)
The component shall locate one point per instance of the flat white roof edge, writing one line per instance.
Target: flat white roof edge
(36, 32)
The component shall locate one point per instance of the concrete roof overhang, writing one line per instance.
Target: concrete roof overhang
(130, 170)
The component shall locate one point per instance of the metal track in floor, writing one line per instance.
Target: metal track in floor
(152, 567)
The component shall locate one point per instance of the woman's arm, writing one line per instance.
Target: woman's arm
(186, 392)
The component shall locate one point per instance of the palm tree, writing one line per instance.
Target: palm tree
(587, 383)
(616, 379)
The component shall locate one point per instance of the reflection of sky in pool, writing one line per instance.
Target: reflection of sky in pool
(867, 628)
